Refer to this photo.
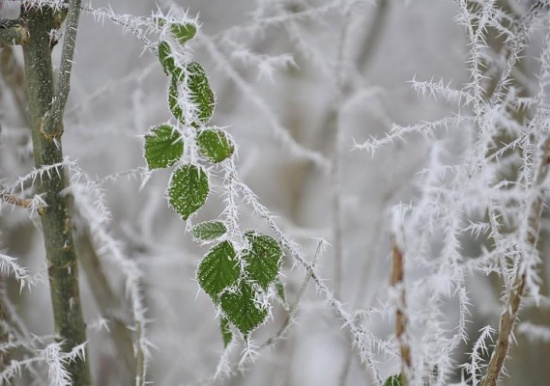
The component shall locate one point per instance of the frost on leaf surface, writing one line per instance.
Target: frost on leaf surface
(209, 230)
(188, 190)
(219, 269)
(173, 104)
(215, 145)
(201, 93)
(183, 32)
(241, 308)
(163, 147)
(262, 258)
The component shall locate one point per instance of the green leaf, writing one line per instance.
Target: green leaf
(219, 269)
(167, 61)
(209, 230)
(394, 380)
(201, 94)
(188, 190)
(173, 96)
(163, 147)
(262, 258)
(242, 310)
(215, 145)
(183, 32)
(227, 334)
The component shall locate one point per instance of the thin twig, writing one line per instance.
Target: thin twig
(397, 282)
(14, 200)
(13, 74)
(55, 114)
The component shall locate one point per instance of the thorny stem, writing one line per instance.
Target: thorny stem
(56, 220)
(508, 317)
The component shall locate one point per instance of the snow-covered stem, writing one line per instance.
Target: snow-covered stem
(363, 340)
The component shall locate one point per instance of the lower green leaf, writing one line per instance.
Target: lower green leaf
(218, 270)
(242, 310)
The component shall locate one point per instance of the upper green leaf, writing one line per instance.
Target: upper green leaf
(262, 259)
(163, 147)
(242, 309)
(201, 94)
(188, 190)
(167, 61)
(214, 145)
(219, 269)
(209, 230)
(183, 32)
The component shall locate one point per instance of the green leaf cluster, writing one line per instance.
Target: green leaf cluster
(236, 280)
(237, 290)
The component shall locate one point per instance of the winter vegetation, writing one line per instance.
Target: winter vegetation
(274, 192)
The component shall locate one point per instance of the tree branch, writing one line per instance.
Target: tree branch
(56, 221)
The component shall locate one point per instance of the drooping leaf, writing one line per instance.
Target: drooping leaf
(394, 380)
(173, 96)
(201, 93)
(214, 145)
(242, 309)
(219, 269)
(262, 258)
(188, 189)
(209, 230)
(227, 334)
(183, 32)
(163, 147)
(167, 61)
